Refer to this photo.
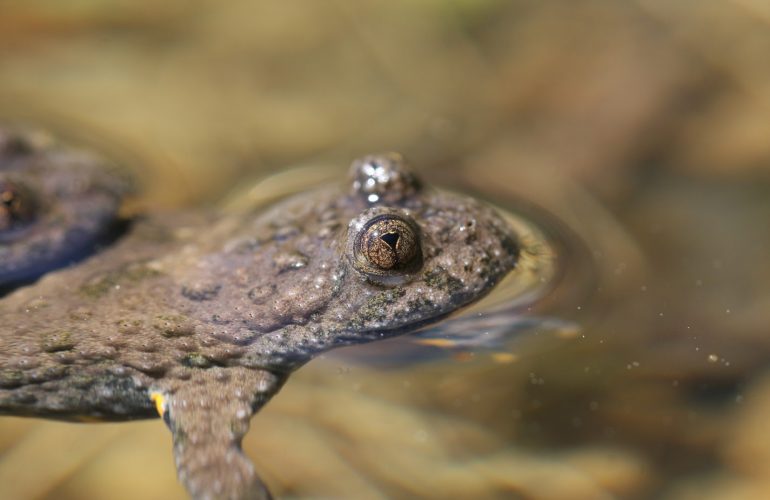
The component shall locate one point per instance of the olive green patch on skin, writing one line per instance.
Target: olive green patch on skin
(11, 378)
(129, 275)
(57, 341)
(53, 373)
(173, 326)
(376, 307)
(80, 381)
(126, 326)
(80, 315)
(197, 360)
(439, 278)
(417, 304)
(421, 304)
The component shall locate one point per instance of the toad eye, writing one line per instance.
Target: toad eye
(17, 206)
(387, 245)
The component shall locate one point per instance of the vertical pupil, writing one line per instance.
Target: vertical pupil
(391, 239)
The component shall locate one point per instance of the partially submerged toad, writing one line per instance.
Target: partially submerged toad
(201, 318)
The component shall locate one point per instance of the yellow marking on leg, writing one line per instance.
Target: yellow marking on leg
(160, 402)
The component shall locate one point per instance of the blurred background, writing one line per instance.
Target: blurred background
(642, 126)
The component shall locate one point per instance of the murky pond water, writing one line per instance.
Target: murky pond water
(636, 134)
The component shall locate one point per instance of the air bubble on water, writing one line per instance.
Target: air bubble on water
(713, 358)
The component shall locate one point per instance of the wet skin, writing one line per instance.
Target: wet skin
(202, 317)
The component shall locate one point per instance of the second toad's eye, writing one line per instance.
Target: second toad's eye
(388, 244)
(17, 206)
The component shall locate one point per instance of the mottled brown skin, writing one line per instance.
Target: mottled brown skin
(209, 314)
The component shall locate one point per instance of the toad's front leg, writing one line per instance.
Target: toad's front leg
(208, 415)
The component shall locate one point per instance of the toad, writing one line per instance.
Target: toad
(200, 318)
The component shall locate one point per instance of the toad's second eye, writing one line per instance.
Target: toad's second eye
(388, 244)
(17, 206)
